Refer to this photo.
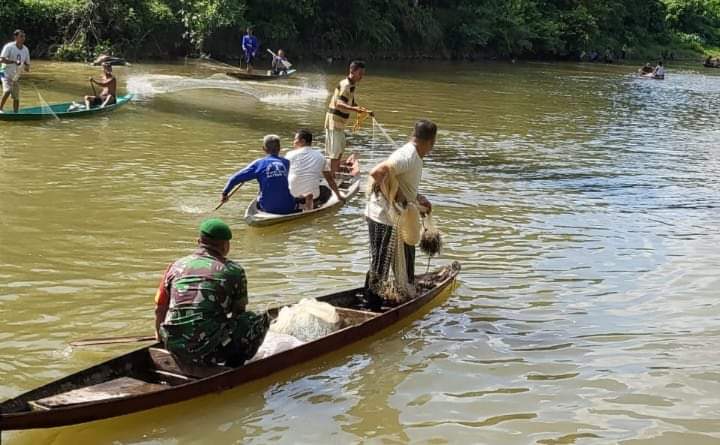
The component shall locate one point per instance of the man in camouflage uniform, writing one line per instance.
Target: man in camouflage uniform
(200, 311)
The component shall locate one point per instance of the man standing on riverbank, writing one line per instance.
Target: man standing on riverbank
(13, 57)
(341, 104)
(392, 205)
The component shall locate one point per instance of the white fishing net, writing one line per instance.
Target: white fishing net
(307, 320)
(275, 343)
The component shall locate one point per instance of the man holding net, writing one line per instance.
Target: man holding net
(393, 216)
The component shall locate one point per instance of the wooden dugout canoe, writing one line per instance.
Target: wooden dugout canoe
(149, 377)
(259, 75)
(61, 110)
(348, 182)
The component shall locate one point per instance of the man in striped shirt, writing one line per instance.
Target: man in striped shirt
(339, 109)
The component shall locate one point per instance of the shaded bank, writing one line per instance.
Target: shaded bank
(374, 29)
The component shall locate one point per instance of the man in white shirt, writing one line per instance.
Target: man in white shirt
(13, 57)
(307, 168)
(405, 164)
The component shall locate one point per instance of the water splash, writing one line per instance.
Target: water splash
(146, 86)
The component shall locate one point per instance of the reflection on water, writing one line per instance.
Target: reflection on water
(581, 200)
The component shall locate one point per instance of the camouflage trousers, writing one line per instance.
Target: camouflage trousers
(232, 341)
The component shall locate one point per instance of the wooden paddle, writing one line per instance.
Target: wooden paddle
(229, 196)
(111, 340)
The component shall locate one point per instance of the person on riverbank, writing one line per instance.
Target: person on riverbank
(14, 57)
(341, 105)
(200, 304)
(307, 168)
(250, 48)
(271, 173)
(108, 95)
(393, 209)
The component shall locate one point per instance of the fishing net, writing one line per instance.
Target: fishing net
(431, 239)
(392, 281)
(359, 120)
(275, 343)
(307, 320)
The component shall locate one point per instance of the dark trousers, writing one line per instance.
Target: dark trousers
(380, 243)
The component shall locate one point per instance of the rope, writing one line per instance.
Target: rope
(359, 120)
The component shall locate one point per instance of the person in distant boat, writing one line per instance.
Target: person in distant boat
(271, 173)
(647, 69)
(108, 95)
(307, 167)
(13, 58)
(250, 48)
(280, 64)
(339, 109)
(200, 304)
(659, 72)
(403, 169)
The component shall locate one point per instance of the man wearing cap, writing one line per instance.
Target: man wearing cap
(200, 304)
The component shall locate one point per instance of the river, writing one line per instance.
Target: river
(581, 201)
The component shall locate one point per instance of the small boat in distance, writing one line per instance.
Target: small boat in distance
(150, 377)
(348, 181)
(259, 74)
(61, 110)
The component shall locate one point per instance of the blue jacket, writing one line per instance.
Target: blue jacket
(271, 172)
(250, 44)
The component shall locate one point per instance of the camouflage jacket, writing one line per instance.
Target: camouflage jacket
(202, 290)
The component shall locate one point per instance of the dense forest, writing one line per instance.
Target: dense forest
(560, 29)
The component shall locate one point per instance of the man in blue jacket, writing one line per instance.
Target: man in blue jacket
(271, 173)
(250, 47)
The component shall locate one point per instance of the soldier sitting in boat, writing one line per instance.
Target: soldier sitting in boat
(307, 168)
(271, 173)
(200, 311)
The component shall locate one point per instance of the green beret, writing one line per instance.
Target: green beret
(215, 228)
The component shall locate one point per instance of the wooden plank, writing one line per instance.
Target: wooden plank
(112, 389)
(164, 361)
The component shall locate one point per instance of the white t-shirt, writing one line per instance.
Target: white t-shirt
(306, 170)
(12, 52)
(660, 71)
(408, 166)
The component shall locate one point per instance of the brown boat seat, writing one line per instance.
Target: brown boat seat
(351, 317)
(111, 389)
(164, 361)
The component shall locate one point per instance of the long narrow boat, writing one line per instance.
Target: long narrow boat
(61, 111)
(150, 377)
(348, 182)
(259, 75)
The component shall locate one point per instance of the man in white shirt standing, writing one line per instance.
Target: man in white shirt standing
(307, 167)
(404, 166)
(14, 56)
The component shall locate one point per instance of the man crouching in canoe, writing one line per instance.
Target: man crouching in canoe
(200, 311)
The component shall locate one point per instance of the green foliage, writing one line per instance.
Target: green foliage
(536, 28)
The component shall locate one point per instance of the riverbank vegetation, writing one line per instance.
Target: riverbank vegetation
(557, 29)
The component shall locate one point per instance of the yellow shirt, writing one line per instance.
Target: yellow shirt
(335, 118)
